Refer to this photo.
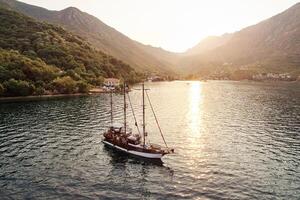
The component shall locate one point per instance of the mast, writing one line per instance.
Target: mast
(124, 107)
(161, 133)
(111, 109)
(144, 125)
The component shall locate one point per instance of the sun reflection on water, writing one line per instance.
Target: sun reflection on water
(194, 113)
(194, 122)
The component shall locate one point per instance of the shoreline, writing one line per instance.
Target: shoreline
(45, 97)
(94, 92)
(39, 97)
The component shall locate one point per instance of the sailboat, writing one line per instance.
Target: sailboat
(121, 138)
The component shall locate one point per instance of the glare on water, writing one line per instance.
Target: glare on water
(232, 140)
(194, 115)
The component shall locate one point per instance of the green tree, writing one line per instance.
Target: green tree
(18, 87)
(39, 91)
(2, 90)
(30, 53)
(65, 85)
(4, 73)
(37, 53)
(99, 81)
(73, 74)
(83, 87)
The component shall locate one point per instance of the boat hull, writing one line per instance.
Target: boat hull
(134, 153)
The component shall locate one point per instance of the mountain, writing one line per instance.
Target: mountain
(102, 36)
(272, 45)
(209, 43)
(269, 46)
(38, 58)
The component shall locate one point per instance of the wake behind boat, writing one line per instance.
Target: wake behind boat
(121, 138)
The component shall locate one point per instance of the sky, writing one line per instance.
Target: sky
(174, 25)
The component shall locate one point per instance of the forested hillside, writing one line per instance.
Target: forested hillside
(271, 46)
(39, 58)
(143, 58)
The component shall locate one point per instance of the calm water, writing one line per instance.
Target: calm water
(233, 140)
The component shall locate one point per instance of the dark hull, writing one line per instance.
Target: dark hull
(134, 151)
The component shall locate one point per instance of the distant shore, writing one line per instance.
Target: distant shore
(94, 91)
(39, 97)
(245, 80)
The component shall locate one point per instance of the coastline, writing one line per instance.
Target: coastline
(49, 96)
(96, 91)
(39, 97)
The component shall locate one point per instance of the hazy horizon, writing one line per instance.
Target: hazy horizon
(174, 25)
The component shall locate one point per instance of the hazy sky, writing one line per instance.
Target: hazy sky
(175, 25)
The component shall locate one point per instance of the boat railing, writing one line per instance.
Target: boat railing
(166, 149)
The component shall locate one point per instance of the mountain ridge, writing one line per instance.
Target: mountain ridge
(38, 57)
(102, 36)
(208, 43)
(270, 45)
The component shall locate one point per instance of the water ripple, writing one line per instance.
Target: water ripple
(233, 140)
